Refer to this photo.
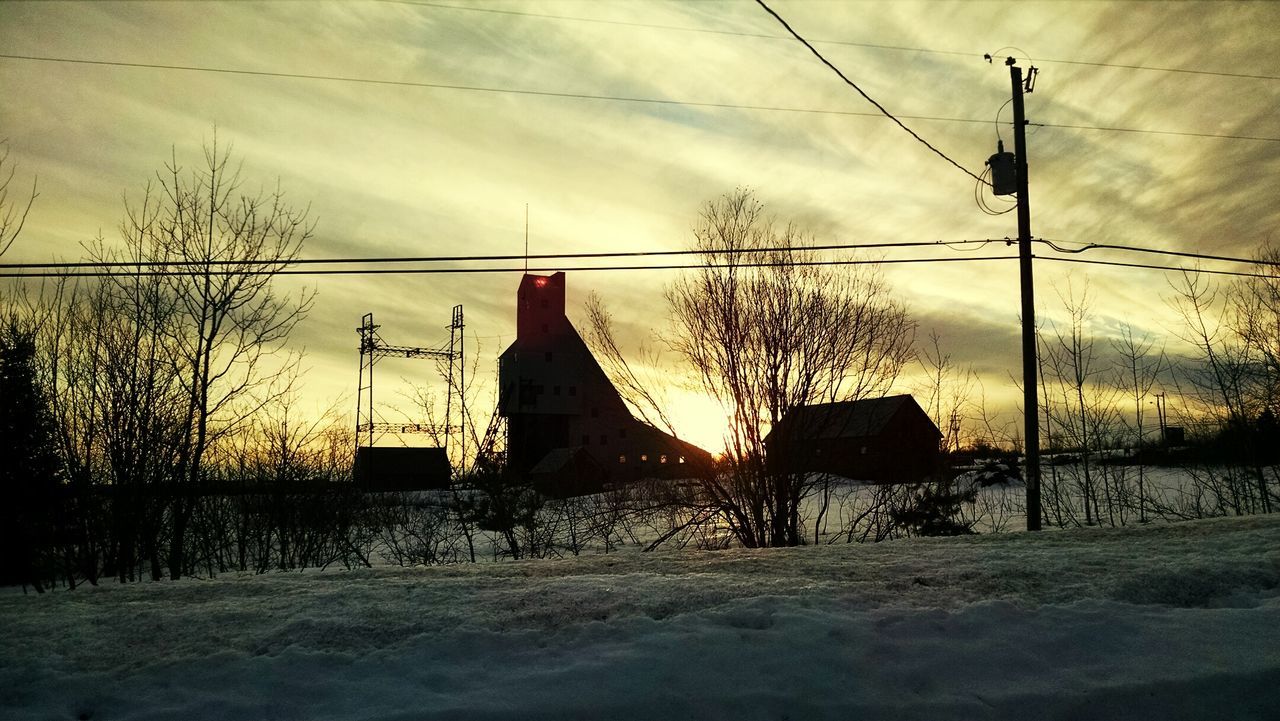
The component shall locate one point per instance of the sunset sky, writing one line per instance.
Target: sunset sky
(407, 170)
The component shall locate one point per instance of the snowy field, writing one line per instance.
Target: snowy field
(1160, 622)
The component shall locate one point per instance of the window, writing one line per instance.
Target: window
(529, 392)
(595, 412)
(604, 440)
(622, 432)
(644, 457)
(555, 390)
(622, 458)
(586, 439)
(573, 390)
(681, 460)
(864, 450)
(662, 458)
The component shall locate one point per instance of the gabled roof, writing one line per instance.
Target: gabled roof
(846, 419)
(558, 459)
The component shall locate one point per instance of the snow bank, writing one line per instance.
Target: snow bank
(1173, 622)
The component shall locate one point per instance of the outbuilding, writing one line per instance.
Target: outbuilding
(887, 440)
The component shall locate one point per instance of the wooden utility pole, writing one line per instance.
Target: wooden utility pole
(1030, 401)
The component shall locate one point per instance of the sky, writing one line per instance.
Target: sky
(405, 170)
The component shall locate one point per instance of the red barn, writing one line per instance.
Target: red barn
(888, 439)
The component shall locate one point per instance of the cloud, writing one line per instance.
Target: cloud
(396, 170)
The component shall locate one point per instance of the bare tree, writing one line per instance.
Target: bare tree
(1085, 409)
(13, 212)
(221, 249)
(1137, 372)
(1255, 319)
(644, 392)
(764, 333)
(1220, 377)
(946, 391)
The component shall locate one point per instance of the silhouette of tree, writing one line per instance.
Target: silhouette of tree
(13, 215)
(764, 335)
(229, 318)
(29, 472)
(148, 370)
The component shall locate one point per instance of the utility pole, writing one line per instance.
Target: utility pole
(1030, 401)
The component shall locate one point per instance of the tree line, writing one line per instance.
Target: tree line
(147, 425)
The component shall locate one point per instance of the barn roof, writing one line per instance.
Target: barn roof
(558, 459)
(845, 419)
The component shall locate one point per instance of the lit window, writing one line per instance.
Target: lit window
(681, 459)
(540, 282)
(644, 457)
(662, 458)
(622, 458)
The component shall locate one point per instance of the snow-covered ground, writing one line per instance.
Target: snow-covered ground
(1174, 621)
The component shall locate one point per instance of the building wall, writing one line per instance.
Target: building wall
(554, 394)
(905, 451)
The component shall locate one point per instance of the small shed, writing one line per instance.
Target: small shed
(401, 469)
(566, 472)
(888, 440)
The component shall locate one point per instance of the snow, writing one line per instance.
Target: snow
(1172, 621)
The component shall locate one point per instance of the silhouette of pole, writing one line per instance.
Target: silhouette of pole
(1030, 402)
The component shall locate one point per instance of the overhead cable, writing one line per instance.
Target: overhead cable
(486, 258)
(863, 93)
(125, 273)
(472, 88)
(1182, 133)
(594, 96)
(1154, 251)
(847, 43)
(1199, 271)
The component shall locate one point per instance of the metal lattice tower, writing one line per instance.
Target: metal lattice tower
(373, 348)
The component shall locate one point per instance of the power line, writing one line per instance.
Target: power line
(1179, 269)
(1154, 68)
(863, 93)
(120, 273)
(1156, 132)
(847, 43)
(472, 88)
(1155, 251)
(592, 96)
(385, 260)
(120, 269)
(677, 28)
(486, 258)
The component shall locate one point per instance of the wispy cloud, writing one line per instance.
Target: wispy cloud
(419, 171)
